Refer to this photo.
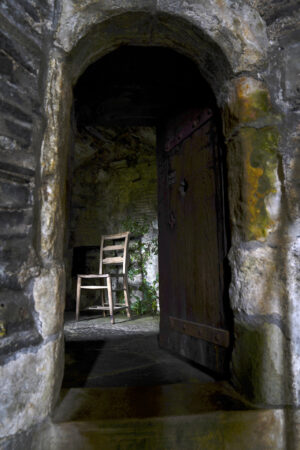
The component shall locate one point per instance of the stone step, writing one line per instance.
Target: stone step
(139, 402)
(184, 416)
(218, 430)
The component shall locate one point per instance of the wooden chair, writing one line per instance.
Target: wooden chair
(121, 249)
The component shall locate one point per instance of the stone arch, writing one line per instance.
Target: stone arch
(249, 128)
(138, 28)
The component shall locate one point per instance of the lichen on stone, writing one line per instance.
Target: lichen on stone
(253, 100)
(260, 146)
(257, 175)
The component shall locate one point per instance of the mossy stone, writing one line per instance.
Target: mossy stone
(258, 362)
(257, 175)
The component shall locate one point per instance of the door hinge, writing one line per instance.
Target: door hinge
(208, 333)
(190, 124)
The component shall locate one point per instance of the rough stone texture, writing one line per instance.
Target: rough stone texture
(254, 288)
(259, 39)
(53, 162)
(32, 381)
(254, 123)
(261, 176)
(293, 312)
(29, 367)
(235, 27)
(48, 294)
(25, 28)
(255, 160)
(266, 349)
(250, 126)
(249, 101)
(112, 180)
(259, 430)
(138, 28)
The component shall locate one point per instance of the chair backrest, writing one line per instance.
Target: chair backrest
(121, 247)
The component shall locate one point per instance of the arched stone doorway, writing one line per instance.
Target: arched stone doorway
(154, 86)
(252, 175)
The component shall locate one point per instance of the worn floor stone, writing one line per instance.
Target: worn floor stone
(248, 430)
(125, 354)
(134, 406)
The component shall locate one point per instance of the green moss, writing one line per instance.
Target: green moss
(260, 166)
(253, 100)
(261, 101)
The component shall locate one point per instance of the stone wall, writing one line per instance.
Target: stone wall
(22, 60)
(248, 52)
(263, 290)
(30, 352)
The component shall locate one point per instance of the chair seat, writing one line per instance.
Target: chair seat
(93, 287)
(94, 276)
(104, 308)
(103, 275)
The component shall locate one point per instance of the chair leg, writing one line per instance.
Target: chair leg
(102, 301)
(110, 300)
(78, 291)
(126, 297)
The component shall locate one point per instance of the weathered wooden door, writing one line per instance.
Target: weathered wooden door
(192, 240)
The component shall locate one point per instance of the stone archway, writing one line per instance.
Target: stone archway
(250, 130)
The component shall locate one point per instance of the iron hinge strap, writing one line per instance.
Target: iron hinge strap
(187, 129)
(217, 336)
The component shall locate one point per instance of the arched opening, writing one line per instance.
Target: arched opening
(242, 101)
(148, 154)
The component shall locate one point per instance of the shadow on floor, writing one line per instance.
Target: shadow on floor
(98, 354)
(122, 373)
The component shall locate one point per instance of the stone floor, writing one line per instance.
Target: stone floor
(121, 392)
(99, 354)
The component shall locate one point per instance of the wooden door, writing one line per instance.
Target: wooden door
(192, 240)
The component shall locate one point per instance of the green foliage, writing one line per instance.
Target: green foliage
(140, 253)
(149, 301)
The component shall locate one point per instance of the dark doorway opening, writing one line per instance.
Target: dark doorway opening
(138, 88)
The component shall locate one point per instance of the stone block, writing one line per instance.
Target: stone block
(49, 299)
(16, 223)
(16, 310)
(12, 150)
(258, 280)
(14, 94)
(9, 145)
(292, 72)
(30, 21)
(275, 10)
(22, 132)
(15, 251)
(254, 194)
(248, 101)
(32, 382)
(14, 195)
(18, 340)
(11, 46)
(14, 111)
(5, 64)
(259, 363)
